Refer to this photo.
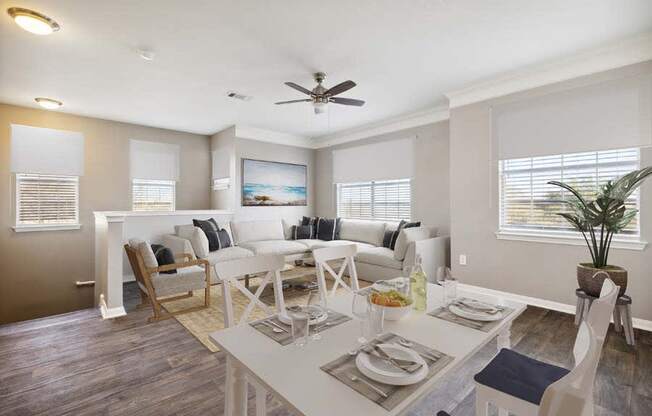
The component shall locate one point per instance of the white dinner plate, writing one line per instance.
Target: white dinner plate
(473, 315)
(384, 372)
(288, 321)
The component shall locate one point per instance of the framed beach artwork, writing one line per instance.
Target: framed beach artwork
(273, 184)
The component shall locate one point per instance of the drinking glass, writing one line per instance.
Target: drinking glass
(360, 310)
(450, 290)
(300, 325)
(443, 273)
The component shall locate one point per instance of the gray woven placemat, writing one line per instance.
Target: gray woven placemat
(285, 337)
(485, 326)
(344, 367)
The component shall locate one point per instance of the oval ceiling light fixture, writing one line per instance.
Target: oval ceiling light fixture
(146, 54)
(33, 22)
(48, 103)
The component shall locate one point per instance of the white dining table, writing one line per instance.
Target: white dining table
(292, 373)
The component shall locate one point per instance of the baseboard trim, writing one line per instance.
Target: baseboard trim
(110, 313)
(643, 324)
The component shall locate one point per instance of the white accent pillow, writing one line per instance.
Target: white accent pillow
(199, 243)
(406, 236)
(146, 251)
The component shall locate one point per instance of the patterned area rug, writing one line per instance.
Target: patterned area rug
(206, 321)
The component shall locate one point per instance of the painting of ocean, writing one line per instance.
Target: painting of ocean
(267, 183)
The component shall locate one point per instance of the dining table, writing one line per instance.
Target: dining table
(294, 374)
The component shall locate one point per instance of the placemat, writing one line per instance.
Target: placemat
(344, 368)
(485, 326)
(264, 326)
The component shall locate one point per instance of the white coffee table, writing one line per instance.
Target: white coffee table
(294, 376)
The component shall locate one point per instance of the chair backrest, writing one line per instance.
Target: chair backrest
(322, 256)
(137, 263)
(573, 393)
(602, 308)
(233, 269)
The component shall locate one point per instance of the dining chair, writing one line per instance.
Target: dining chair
(229, 274)
(344, 254)
(522, 385)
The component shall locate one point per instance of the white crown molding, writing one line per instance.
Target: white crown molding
(391, 125)
(255, 133)
(615, 55)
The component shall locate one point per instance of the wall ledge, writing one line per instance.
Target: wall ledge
(110, 214)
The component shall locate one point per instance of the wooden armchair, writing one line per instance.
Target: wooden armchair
(153, 284)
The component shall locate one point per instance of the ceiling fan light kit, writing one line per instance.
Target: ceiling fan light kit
(321, 96)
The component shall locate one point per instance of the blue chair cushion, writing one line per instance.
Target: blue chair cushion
(519, 376)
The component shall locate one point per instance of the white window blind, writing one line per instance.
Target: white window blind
(46, 200)
(528, 203)
(153, 195)
(376, 200)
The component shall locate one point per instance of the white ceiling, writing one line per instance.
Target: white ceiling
(404, 55)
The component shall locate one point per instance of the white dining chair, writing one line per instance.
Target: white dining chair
(344, 254)
(524, 386)
(229, 273)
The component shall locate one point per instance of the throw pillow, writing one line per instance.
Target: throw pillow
(312, 222)
(199, 243)
(223, 239)
(302, 232)
(164, 256)
(148, 254)
(389, 241)
(210, 228)
(407, 236)
(328, 229)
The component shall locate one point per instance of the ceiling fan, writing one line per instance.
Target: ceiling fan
(320, 96)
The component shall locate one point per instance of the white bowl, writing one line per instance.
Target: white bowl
(394, 313)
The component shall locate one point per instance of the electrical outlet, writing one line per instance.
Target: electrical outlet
(463, 259)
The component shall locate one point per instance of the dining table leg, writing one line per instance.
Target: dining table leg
(235, 392)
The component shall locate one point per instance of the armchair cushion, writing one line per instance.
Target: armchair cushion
(186, 279)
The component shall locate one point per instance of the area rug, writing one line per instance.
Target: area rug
(204, 322)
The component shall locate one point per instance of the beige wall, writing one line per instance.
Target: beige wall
(545, 271)
(254, 149)
(430, 199)
(38, 270)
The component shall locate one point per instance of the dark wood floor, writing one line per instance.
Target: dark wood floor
(78, 364)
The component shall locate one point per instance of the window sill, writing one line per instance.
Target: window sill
(565, 239)
(45, 227)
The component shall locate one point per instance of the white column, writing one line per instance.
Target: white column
(108, 265)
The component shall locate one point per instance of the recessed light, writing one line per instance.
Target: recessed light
(146, 54)
(48, 103)
(32, 21)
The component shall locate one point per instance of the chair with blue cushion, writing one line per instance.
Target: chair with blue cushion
(522, 385)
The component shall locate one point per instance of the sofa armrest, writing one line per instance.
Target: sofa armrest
(434, 252)
(179, 245)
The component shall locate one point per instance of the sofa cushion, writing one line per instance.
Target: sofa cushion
(371, 232)
(284, 247)
(302, 232)
(328, 229)
(228, 253)
(380, 256)
(408, 235)
(335, 243)
(245, 231)
(186, 279)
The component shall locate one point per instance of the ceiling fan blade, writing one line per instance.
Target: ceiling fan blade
(298, 88)
(347, 101)
(307, 100)
(340, 88)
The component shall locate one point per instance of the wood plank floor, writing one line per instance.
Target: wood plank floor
(78, 364)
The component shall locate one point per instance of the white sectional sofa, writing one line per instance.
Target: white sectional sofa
(373, 261)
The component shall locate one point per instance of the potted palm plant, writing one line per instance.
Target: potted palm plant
(598, 221)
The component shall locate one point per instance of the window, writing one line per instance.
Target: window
(376, 200)
(152, 195)
(528, 203)
(46, 201)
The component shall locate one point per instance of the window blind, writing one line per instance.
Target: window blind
(375, 200)
(46, 199)
(527, 202)
(152, 195)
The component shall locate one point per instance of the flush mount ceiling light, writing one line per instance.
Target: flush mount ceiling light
(32, 21)
(48, 103)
